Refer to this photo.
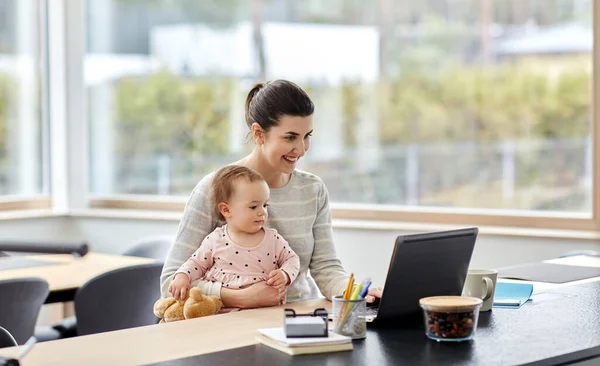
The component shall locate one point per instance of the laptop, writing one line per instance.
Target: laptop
(430, 264)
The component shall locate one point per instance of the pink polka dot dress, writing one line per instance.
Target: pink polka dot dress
(220, 259)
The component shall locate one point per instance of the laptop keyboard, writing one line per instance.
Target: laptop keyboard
(371, 311)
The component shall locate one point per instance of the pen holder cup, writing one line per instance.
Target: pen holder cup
(349, 317)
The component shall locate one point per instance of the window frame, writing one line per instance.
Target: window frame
(42, 200)
(13, 203)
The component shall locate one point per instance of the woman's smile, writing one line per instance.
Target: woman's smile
(291, 160)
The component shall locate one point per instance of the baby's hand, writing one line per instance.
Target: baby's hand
(180, 286)
(278, 278)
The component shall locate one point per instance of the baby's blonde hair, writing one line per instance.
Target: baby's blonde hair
(223, 184)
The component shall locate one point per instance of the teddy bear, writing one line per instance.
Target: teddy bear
(196, 305)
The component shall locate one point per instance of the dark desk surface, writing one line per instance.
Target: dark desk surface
(553, 332)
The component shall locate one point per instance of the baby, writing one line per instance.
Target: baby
(243, 251)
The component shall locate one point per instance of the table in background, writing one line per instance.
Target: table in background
(65, 278)
(580, 260)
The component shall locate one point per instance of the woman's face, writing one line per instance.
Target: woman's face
(284, 144)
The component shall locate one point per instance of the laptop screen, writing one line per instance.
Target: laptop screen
(431, 264)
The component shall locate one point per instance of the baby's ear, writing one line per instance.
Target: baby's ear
(224, 209)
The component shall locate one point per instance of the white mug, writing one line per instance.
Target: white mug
(481, 283)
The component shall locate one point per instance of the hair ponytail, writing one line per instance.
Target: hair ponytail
(249, 98)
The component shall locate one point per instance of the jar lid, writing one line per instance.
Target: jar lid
(450, 302)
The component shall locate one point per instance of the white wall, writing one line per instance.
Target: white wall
(365, 252)
(44, 228)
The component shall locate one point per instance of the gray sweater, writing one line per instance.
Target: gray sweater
(299, 211)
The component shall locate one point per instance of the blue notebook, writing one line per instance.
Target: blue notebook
(512, 295)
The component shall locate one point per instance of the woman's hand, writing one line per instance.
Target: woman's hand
(257, 295)
(180, 286)
(260, 294)
(374, 293)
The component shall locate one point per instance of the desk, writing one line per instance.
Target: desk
(533, 333)
(548, 334)
(65, 278)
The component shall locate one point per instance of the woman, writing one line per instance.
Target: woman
(279, 115)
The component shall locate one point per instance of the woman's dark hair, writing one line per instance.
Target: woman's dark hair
(267, 102)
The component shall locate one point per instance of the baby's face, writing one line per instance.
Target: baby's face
(248, 206)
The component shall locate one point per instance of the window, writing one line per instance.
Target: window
(22, 168)
(439, 104)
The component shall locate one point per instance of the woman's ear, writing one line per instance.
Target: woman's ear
(258, 134)
(224, 209)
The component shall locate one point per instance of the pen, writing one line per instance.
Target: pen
(356, 292)
(343, 312)
(349, 287)
(365, 288)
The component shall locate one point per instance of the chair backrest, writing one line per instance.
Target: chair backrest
(119, 299)
(156, 247)
(20, 303)
(6, 339)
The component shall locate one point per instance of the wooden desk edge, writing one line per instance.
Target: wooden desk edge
(163, 342)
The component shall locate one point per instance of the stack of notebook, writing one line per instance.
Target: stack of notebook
(275, 338)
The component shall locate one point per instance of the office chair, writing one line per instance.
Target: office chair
(6, 339)
(119, 299)
(156, 247)
(20, 303)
